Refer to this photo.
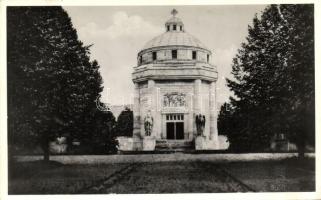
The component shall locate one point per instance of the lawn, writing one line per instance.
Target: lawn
(289, 175)
(55, 178)
(163, 177)
(175, 177)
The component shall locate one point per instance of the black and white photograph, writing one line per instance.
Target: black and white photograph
(216, 99)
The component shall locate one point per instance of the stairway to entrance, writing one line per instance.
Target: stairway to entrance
(174, 145)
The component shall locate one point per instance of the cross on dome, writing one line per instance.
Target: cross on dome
(174, 24)
(174, 12)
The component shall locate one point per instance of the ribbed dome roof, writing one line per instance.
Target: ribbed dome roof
(172, 38)
(175, 35)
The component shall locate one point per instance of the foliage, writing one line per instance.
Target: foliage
(125, 122)
(273, 81)
(103, 138)
(52, 84)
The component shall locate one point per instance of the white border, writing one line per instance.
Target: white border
(237, 196)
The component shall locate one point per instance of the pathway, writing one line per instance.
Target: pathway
(169, 177)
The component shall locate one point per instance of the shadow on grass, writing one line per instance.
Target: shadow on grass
(286, 175)
(303, 163)
(39, 177)
(28, 169)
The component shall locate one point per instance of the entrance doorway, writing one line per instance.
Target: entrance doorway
(175, 126)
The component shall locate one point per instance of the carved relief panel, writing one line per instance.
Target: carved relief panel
(174, 99)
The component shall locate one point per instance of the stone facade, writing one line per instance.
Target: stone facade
(174, 81)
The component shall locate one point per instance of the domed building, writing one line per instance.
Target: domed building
(175, 93)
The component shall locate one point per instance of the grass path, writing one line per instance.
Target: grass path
(169, 177)
(109, 181)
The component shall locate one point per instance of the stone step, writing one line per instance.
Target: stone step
(174, 144)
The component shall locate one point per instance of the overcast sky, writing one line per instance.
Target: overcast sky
(118, 33)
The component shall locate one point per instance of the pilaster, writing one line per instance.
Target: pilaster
(197, 102)
(136, 112)
(213, 112)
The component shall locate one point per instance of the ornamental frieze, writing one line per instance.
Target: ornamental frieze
(174, 99)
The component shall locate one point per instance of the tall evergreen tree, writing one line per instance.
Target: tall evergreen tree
(51, 81)
(273, 80)
(299, 76)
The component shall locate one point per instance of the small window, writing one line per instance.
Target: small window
(140, 59)
(167, 117)
(154, 55)
(194, 55)
(174, 54)
(182, 117)
(180, 28)
(167, 28)
(174, 27)
(208, 58)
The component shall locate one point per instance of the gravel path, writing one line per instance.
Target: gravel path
(171, 173)
(170, 177)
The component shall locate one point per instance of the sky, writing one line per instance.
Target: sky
(118, 33)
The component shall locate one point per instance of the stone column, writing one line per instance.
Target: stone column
(157, 113)
(163, 136)
(213, 112)
(197, 104)
(197, 96)
(190, 123)
(136, 112)
(153, 107)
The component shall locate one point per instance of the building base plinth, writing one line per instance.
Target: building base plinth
(149, 143)
(129, 144)
(125, 143)
(223, 142)
(202, 143)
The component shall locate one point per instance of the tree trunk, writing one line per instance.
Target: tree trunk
(301, 146)
(301, 153)
(46, 154)
(45, 148)
(301, 150)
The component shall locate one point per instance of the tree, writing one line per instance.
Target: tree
(104, 137)
(51, 81)
(273, 80)
(125, 120)
(299, 23)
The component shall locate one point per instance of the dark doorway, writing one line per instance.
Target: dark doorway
(170, 130)
(179, 130)
(175, 130)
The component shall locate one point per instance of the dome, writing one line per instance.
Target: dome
(175, 35)
(174, 45)
(174, 55)
(174, 39)
(174, 20)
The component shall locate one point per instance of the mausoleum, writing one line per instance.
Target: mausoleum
(175, 93)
